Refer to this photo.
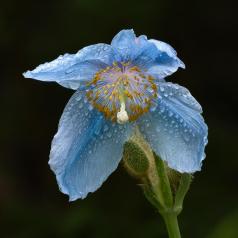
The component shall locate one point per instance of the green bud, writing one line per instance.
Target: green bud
(135, 160)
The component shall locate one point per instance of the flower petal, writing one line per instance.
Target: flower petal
(124, 45)
(147, 53)
(86, 148)
(175, 129)
(70, 70)
(167, 61)
(138, 50)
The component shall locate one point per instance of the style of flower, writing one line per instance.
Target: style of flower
(119, 87)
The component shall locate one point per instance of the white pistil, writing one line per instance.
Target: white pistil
(122, 116)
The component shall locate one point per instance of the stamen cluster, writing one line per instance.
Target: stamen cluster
(122, 85)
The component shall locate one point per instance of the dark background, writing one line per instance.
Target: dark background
(33, 32)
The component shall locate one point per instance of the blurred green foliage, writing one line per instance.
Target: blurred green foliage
(32, 32)
(227, 227)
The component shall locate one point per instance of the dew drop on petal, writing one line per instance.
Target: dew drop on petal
(106, 128)
(81, 105)
(79, 98)
(171, 114)
(109, 134)
(186, 137)
(158, 129)
(90, 107)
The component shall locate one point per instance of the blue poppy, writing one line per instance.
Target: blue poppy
(119, 87)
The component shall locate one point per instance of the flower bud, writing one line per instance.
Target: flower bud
(135, 160)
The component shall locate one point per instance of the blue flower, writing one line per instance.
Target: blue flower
(120, 86)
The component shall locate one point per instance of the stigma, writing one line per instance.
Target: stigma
(122, 92)
(122, 116)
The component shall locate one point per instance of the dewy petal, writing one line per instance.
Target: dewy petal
(86, 148)
(175, 129)
(124, 44)
(138, 50)
(147, 53)
(70, 70)
(167, 61)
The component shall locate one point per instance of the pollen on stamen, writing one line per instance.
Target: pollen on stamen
(122, 80)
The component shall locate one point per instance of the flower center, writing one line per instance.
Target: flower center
(122, 92)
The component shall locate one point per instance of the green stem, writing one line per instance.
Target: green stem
(164, 185)
(184, 185)
(171, 222)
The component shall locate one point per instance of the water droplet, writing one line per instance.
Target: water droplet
(97, 131)
(90, 107)
(153, 108)
(162, 109)
(158, 129)
(105, 128)
(171, 114)
(186, 137)
(79, 98)
(68, 71)
(109, 134)
(81, 105)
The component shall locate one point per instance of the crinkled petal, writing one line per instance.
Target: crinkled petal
(156, 57)
(71, 70)
(138, 50)
(147, 53)
(166, 62)
(86, 148)
(124, 45)
(175, 128)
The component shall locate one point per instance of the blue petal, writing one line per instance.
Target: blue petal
(86, 148)
(156, 57)
(138, 50)
(147, 53)
(175, 129)
(71, 70)
(124, 45)
(167, 61)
